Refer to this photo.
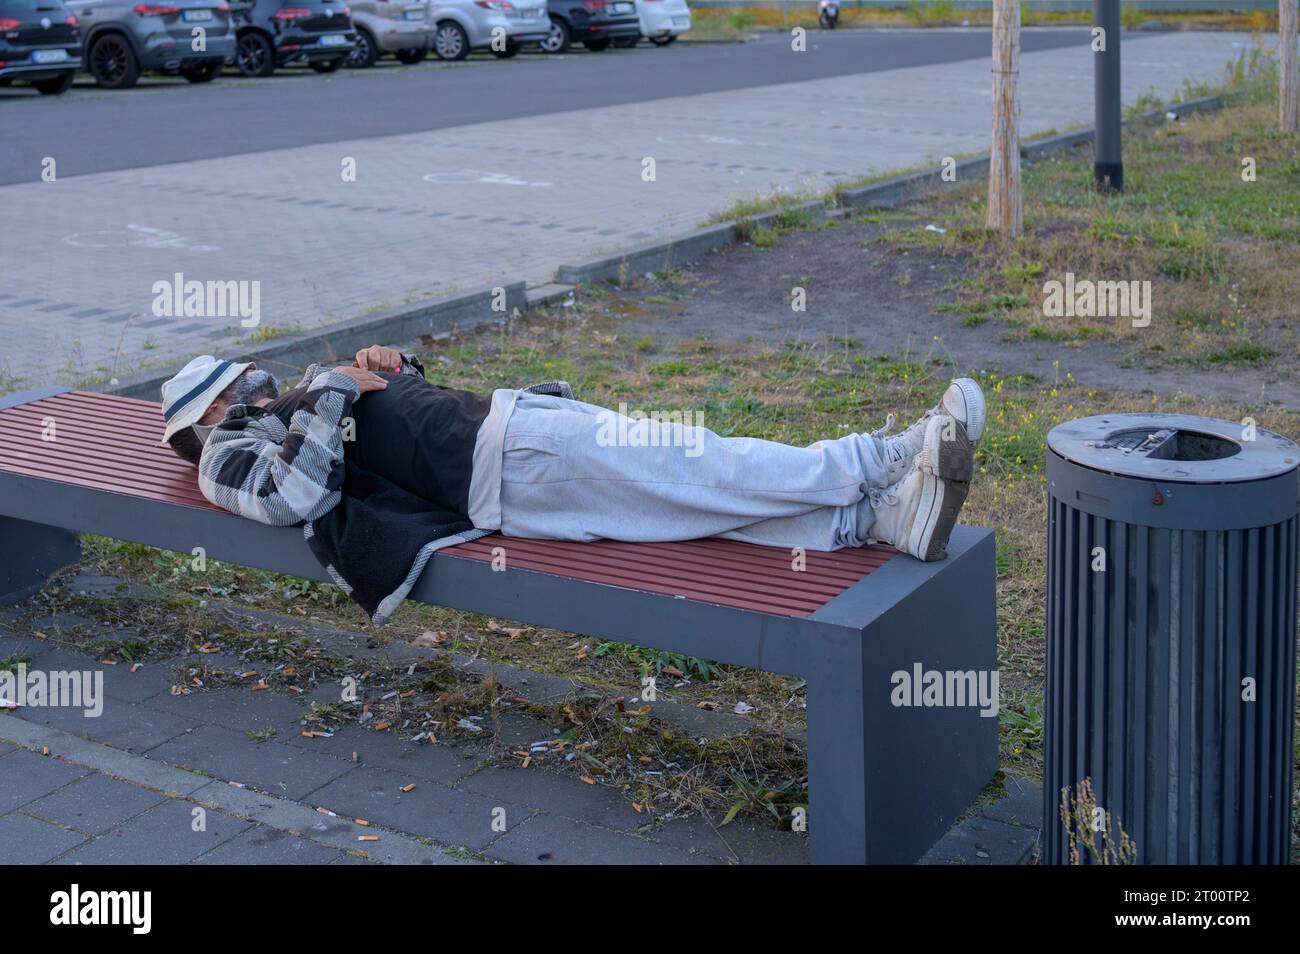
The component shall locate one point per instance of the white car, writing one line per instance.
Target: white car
(663, 21)
(463, 25)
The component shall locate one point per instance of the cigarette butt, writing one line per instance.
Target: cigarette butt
(45, 750)
(381, 726)
(308, 735)
(362, 822)
(260, 686)
(136, 667)
(326, 811)
(586, 780)
(528, 760)
(354, 756)
(409, 788)
(367, 837)
(637, 807)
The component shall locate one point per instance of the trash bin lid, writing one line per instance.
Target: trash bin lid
(1180, 448)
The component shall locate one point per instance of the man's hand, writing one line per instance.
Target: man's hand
(366, 380)
(378, 358)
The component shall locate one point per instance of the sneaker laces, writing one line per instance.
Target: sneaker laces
(882, 497)
(882, 431)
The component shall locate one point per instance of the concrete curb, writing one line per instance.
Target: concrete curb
(885, 194)
(663, 255)
(343, 339)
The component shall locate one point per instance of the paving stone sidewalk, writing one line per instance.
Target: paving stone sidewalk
(133, 784)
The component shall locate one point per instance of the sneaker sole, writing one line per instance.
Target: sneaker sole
(964, 400)
(947, 466)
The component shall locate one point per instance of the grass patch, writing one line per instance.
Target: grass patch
(1221, 252)
(11, 662)
(738, 22)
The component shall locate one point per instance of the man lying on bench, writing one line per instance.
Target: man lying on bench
(383, 468)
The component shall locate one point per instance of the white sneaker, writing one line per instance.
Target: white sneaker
(917, 513)
(963, 400)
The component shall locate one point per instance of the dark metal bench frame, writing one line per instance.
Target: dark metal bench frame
(884, 782)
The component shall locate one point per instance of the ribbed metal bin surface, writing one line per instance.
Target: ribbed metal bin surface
(1146, 658)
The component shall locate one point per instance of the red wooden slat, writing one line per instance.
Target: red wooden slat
(95, 483)
(71, 470)
(96, 413)
(110, 443)
(73, 440)
(101, 402)
(586, 561)
(774, 602)
(650, 564)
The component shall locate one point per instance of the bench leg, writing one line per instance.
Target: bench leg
(29, 553)
(885, 781)
(839, 815)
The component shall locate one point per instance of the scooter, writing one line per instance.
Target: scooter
(828, 14)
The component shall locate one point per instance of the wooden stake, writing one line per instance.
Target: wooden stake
(1287, 82)
(1004, 158)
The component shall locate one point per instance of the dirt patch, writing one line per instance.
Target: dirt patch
(900, 303)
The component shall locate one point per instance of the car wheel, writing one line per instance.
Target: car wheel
(596, 45)
(450, 42)
(54, 87)
(254, 56)
(364, 54)
(663, 40)
(113, 63)
(626, 42)
(411, 56)
(558, 40)
(510, 50)
(201, 72)
(326, 66)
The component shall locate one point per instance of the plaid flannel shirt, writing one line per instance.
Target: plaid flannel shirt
(254, 466)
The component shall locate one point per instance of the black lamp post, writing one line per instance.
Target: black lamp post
(1108, 158)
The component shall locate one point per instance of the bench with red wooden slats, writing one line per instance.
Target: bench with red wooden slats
(884, 778)
(110, 444)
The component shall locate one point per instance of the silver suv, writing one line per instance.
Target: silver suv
(390, 26)
(121, 38)
(463, 25)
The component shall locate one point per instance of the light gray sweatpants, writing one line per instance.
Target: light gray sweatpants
(574, 471)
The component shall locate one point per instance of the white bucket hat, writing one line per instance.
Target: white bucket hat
(188, 394)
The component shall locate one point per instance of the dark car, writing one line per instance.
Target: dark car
(40, 44)
(594, 23)
(123, 38)
(271, 33)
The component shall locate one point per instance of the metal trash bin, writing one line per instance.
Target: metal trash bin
(1171, 640)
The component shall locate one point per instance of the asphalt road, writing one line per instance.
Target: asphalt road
(91, 130)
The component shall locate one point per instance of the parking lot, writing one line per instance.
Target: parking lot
(466, 175)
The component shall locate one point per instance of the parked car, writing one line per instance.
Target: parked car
(594, 23)
(40, 44)
(663, 21)
(389, 26)
(460, 26)
(122, 39)
(274, 33)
